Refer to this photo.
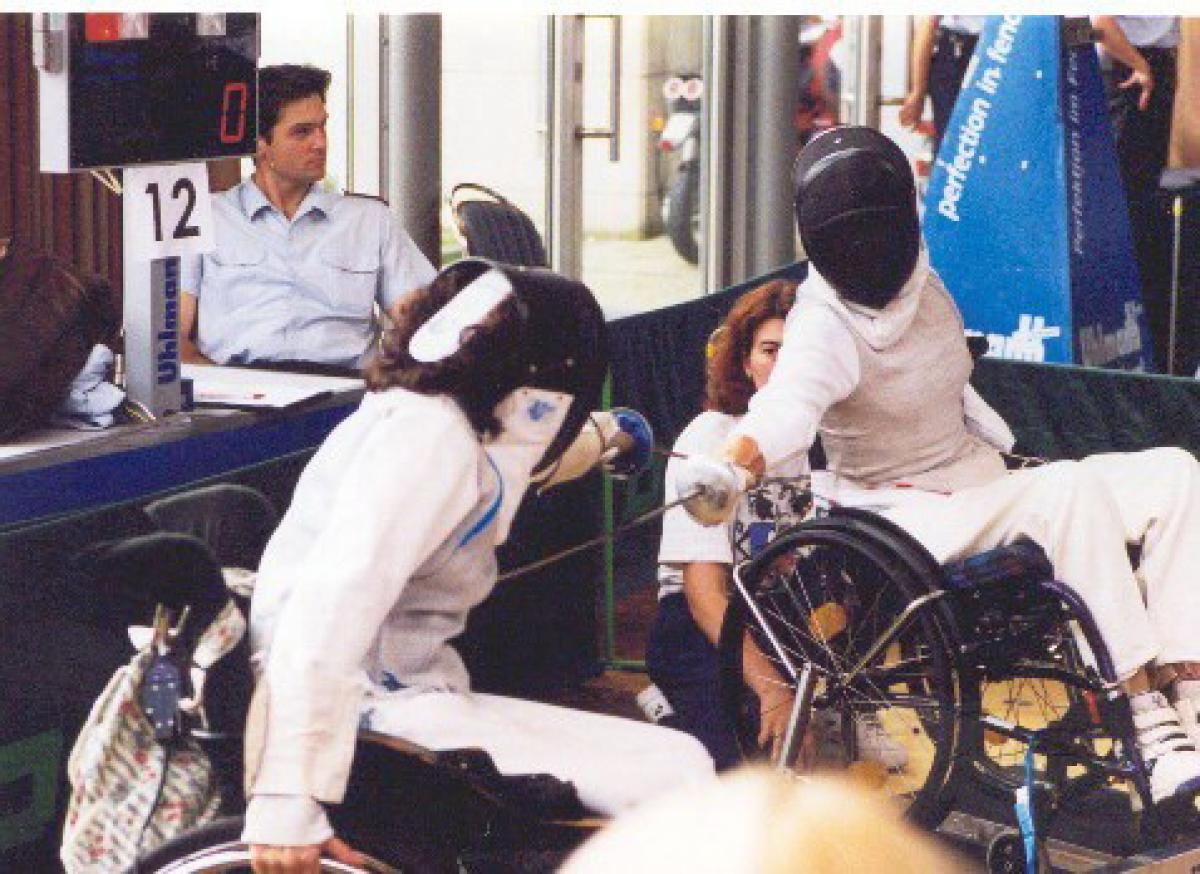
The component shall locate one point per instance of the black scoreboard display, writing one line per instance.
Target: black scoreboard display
(126, 89)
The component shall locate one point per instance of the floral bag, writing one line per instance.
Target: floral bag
(131, 791)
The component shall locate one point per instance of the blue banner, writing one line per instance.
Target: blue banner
(1022, 218)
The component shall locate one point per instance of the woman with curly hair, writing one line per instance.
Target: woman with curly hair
(695, 562)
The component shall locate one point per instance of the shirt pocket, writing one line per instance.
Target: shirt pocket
(240, 254)
(349, 280)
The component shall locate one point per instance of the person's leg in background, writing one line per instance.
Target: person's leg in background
(951, 55)
(683, 664)
(1142, 140)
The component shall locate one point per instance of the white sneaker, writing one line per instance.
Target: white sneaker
(1169, 753)
(654, 703)
(876, 745)
(872, 739)
(1189, 717)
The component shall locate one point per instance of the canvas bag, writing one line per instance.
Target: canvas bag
(117, 766)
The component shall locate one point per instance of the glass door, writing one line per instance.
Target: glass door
(641, 133)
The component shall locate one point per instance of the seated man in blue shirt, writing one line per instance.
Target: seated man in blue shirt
(297, 269)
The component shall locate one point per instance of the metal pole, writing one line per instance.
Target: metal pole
(566, 153)
(1177, 239)
(414, 144)
(870, 69)
(774, 142)
(713, 215)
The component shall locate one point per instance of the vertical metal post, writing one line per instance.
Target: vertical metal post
(565, 226)
(714, 217)
(868, 110)
(726, 172)
(414, 129)
(752, 64)
(774, 141)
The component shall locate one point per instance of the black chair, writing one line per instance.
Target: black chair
(235, 521)
(491, 226)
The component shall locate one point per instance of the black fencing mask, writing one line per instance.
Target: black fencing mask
(554, 336)
(856, 212)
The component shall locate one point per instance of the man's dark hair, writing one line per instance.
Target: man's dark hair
(283, 84)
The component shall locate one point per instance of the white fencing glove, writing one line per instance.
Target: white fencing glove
(715, 487)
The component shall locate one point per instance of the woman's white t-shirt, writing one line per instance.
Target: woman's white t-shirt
(779, 501)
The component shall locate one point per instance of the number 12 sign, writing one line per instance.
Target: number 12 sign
(167, 211)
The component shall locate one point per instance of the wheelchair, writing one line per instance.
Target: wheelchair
(406, 807)
(990, 673)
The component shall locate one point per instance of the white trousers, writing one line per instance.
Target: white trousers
(1083, 513)
(614, 763)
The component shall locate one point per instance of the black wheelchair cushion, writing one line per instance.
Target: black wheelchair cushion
(1017, 562)
(1006, 603)
(417, 804)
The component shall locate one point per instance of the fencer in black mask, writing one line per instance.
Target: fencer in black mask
(856, 211)
(874, 359)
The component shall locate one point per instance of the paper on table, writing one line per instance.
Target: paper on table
(243, 387)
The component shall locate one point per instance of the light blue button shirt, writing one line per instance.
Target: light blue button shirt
(970, 25)
(1150, 31)
(299, 290)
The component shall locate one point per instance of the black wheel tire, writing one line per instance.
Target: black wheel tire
(822, 540)
(680, 212)
(221, 832)
(1006, 854)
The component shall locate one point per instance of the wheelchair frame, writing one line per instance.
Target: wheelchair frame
(936, 607)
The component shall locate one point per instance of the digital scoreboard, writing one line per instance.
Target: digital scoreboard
(128, 89)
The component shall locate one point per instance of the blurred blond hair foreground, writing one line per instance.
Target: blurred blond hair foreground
(758, 821)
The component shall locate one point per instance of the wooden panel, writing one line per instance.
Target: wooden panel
(6, 136)
(71, 215)
(26, 194)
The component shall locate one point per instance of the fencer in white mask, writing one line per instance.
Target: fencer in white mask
(486, 386)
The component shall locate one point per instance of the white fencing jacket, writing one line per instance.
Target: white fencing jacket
(819, 366)
(387, 546)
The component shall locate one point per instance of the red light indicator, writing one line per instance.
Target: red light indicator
(102, 26)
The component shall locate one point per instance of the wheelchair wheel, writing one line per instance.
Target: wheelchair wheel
(1057, 694)
(217, 848)
(832, 593)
